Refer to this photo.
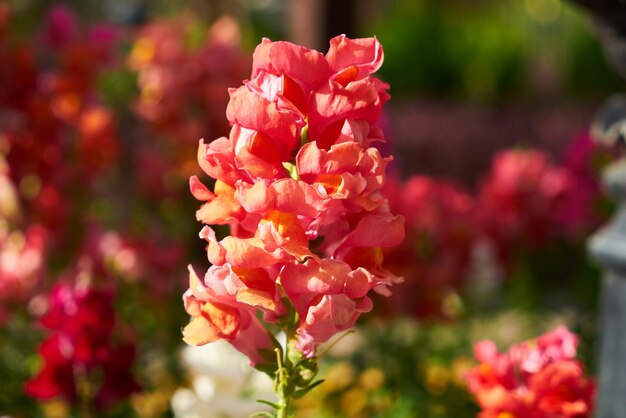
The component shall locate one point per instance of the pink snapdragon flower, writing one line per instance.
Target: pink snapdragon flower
(298, 182)
(539, 378)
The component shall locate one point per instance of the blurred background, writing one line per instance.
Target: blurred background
(102, 105)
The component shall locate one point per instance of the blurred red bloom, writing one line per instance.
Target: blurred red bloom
(522, 200)
(537, 379)
(434, 258)
(80, 348)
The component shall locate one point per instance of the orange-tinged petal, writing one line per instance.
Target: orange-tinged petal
(299, 198)
(255, 278)
(370, 258)
(240, 252)
(257, 298)
(195, 284)
(249, 110)
(347, 75)
(292, 237)
(255, 198)
(339, 159)
(200, 331)
(222, 209)
(375, 231)
(330, 182)
(293, 93)
(217, 159)
(257, 153)
(225, 318)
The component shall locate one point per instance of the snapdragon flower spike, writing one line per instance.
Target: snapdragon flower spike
(298, 182)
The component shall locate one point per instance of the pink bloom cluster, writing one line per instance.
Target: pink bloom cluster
(523, 201)
(182, 94)
(434, 257)
(80, 349)
(54, 132)
(183, 88)
(540, 378)
(299, 184)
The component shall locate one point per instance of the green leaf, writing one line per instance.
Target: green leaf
(263, 414)
(300, 393)
(272, 404)
(268, 366)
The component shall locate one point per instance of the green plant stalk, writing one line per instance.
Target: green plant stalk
(284, 386)
(294, 374)
(283, 407)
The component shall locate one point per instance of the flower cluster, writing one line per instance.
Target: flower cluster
(183, 88)
(526, 202)
(540, 378)
(523, 200)
(54, 132)
(299, 184)
(80, 349)
(434, 257)
(182, 93)
(59, 141)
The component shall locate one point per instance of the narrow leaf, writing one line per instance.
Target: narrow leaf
(300, 393)
(272, 404)
(264, 414)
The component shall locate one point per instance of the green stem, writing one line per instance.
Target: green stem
(284, 386)
(283, 407)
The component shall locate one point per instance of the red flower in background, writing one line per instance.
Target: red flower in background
(584, 159)
(81, 348)
(434, 258)
(182, 94)
(522, 200)
(537, 379)
(55, 134)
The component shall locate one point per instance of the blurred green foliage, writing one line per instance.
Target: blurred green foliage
(489, 51)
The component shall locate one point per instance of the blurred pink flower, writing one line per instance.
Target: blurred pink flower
(61, 27)
(21, 265)
(183, 90)
(537, 379)
(80, 350)
(434, 258)
(522, 199)
(584, 159)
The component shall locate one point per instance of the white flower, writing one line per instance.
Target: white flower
(223, 384)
